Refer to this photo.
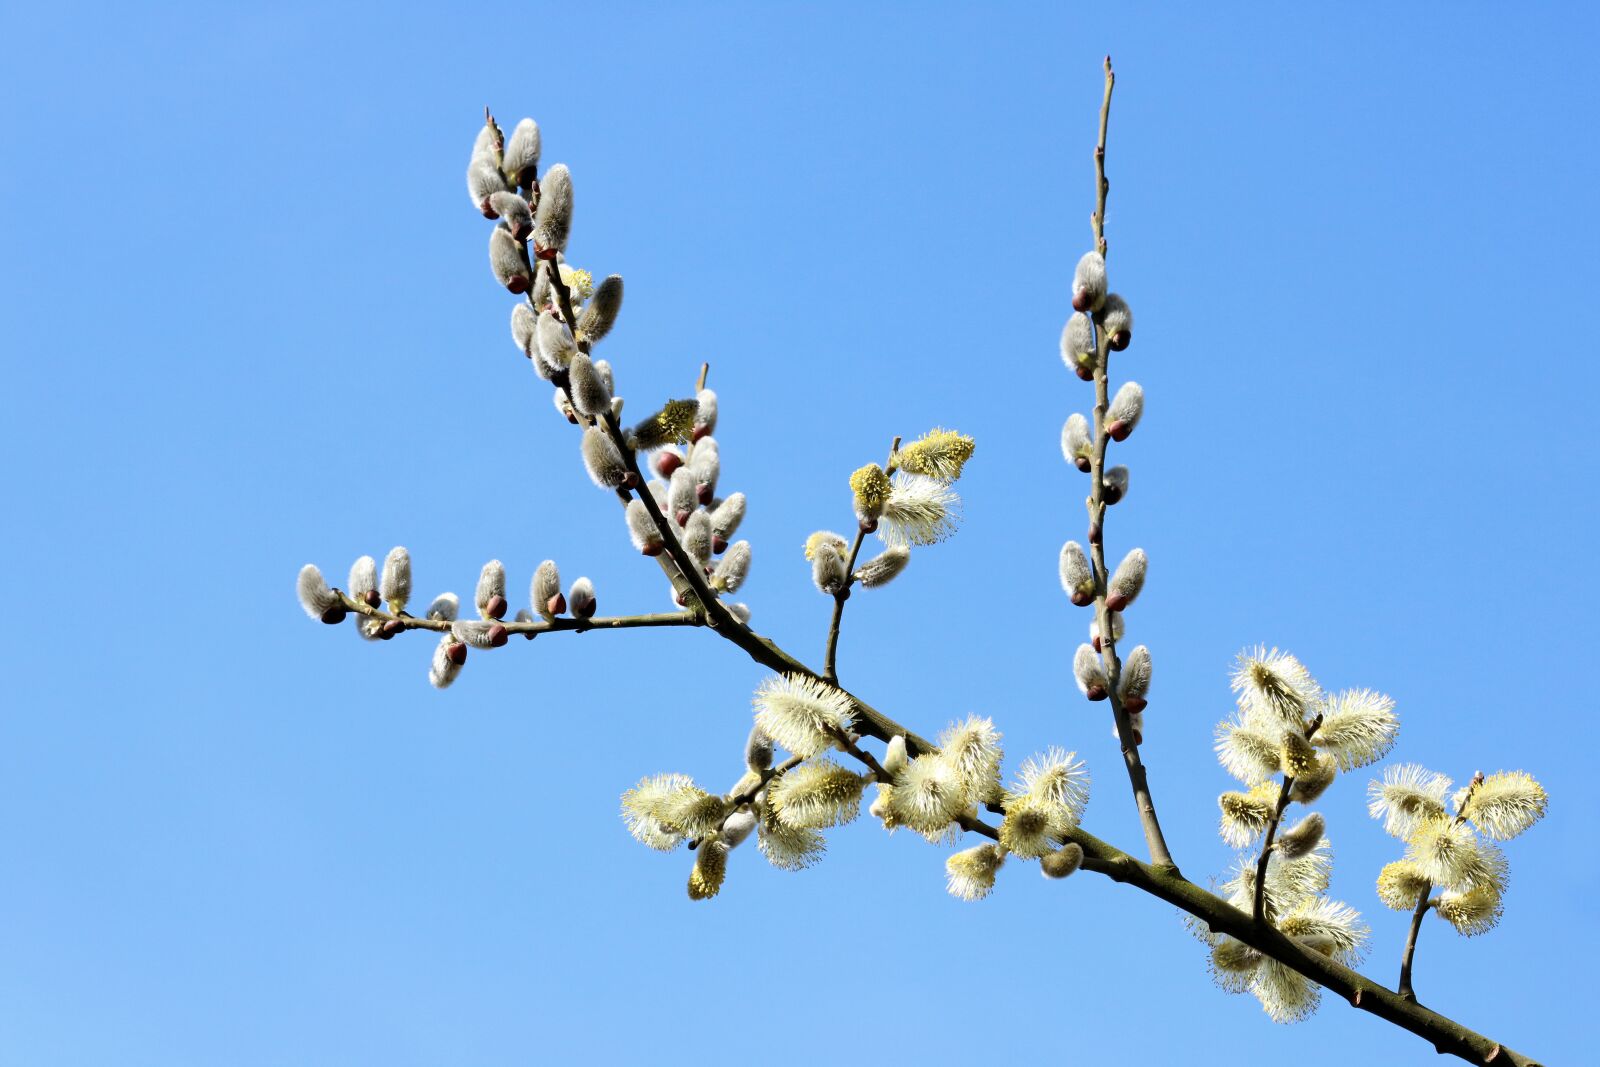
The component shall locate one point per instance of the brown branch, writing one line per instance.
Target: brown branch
(536, 626)
(1417, 913)
(1259, 908)
(830, 672)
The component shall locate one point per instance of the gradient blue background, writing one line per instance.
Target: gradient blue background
(247, 322)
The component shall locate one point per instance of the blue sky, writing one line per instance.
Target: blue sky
(248, 323)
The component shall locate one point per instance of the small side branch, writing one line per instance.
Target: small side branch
(537, 626)
(1417, 914)
(830, 671)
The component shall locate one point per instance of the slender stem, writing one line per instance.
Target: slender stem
(536, 626)
(830, 672)
(1259, 910)
(1417, 913)
(1137, 779)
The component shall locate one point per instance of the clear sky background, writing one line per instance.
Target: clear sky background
(247, 322)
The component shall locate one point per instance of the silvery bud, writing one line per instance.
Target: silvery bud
(483, 181)
(490, 597)
(480, 633)
(1116, 319)
(1114, 485)
(556, 346)
(894, 755)
(582, 600)
(395, 585)
(319, 602)
(697, 537)
(1077, 577)
(521, 162)
(513, 210)
(505, 257)
(828, 570)
(681, 496)
(363, 585)
(1116, 629)
(1077, 346)
(706, 467)
(1076, 444)
(447, 660)
(884, 568)
(705, 418)
(554, 221)
(1300, 839)
(602, 460)
(1126, 408)
(758, 750)
(601, 314)
(445, 608)
(732, 568)
(603, 368)
(546, 590)
(741, 612)
(1089, 283)
(737, 827)
(589, 393)
(726, 517)
(1090, 673)
(524, 330)
(642, 529)
(1063, 862)
(1127, 580)
(541, 296)
(668, 460)
(1134, 683)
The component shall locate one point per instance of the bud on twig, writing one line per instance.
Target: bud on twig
(885, 568)
(524, 330)
(1077, 577)
(668, 460)
(1126, 408)
(705, 419)
(601, 314)
(395, 586)
(1114, 486)
(1116, 629)
(602, 460)
(448, 658)
(546, 590)
(319, 602)
(1090, 673)
(1077, 346)
(706, 467)
(1064, 862)
(697, 537)
(490, 597)
(1089, 283)
(733, 568)
(1126, 581)
(513, 211)
(363, 585)
(726, 517)
(1116, 319)
(642, 529)
(589, 393)
(581, 600)
(1076, 444)
(682, 497)
(521, 160)
(505, 258)
(445, 608)
(480, 633)
(554, 221)
(1134, 683)
(556, 347)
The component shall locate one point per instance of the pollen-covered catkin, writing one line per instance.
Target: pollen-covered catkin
(1076, 444)
(554, 221)
(505, 258)
(671, 425)
(601, 313)
(642, 529)
(1126, 409)
(1116, 319)
(581, 600)
(395, 585)
(870, 488)
(1090, 673)
(546, 590)
(1077, 577)
(1077, 346)
(1127, 580)
(589, 393)
(521, 160)
(1089, 283)
(602, 460)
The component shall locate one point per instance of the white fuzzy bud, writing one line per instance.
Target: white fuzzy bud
(1116, 629)
(490, 596)
(681, 497)
(740, 612)
(1077, 577)
(602, 460)
(697, 537)
(363, 578)
(581, 600)
(445, 668)
(524, 330)
(319, 601)
(1134, 683)
(1126, 581)
(514, 212)
(1301, 838)
(732, 568)
(521, 160)
(1089, 283)
(505, 259)
(737, 827)
(554, 221)
(395, 585)
(1076, 445)
(483, 181)
(727, 516)
(705, 419)
(480, 633)
(894, 755)
(1114, 484)
(564, 406)
(601, 314)
(1126, 409)
(1077, 346)
(1063, 862)
(758, 750)
(884, 568)
(1090, 673)
(541, 295)
(828, 570)
(642, 529)
(603, 369)
(445, 608)
(1116, 319)
(556, 347)
(589, 393)
(545, 591)
(706, 467)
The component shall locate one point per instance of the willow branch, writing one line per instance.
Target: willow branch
(1137, 779)
(536, 626)
(830, 672)
(1417, 914)
(1259, 908)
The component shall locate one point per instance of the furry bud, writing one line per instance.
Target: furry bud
(1114, 486)
(1089, 283)
(554, 221)
(828, 570)
(733, 568)
(589, 393)
(1311, 785)
(602, 460)
(491, 588)
(1077, 577)
(447, 660)
(601, 314)
(395, 585)
(705, 419)
(563, 406)
(1126, 582)
(726, 516)
(545, 591)
(1063, 862)
(521, 160)
(445, 608)
(480, 633)
(524, 330)
(1076, 444)
(681, 495)
(1134, 683)
(642, 529)
(581, 600)
(1116, 319)
(706, 467)
(1077, 346)
(513, 211)
(556, 347)
(505, 258)
(363, 585)
(668, 460)
(483, 176)
(1116, 629)
(319, 602)
(885, 568)
(1126, 408)
(1090, 673)
(697, 537)
(1302, 838)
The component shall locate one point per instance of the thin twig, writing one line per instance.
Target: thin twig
(536, 626)
(830, 672)
(1259, 908)
(1424, 901)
